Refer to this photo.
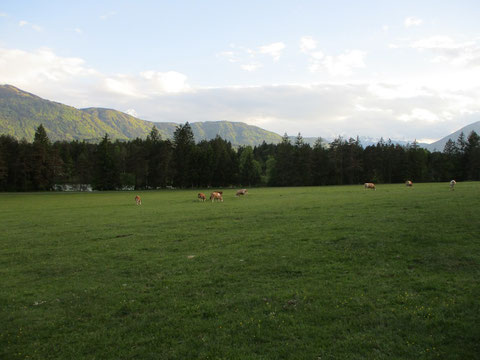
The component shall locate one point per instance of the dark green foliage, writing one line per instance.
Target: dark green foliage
(155, 163)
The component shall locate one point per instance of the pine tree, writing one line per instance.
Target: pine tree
(183, 143)
(42, 171)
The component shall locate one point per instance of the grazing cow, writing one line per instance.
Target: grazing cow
(216, 195)
(452, 184)
(201, 196)
(370, 186)
(138, 201)
(242, 192)
(409, 183)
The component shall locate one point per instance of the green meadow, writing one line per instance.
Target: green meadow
(283, 273)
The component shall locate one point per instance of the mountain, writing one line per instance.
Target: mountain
(237, 133)
(440, 144)
(22, 112)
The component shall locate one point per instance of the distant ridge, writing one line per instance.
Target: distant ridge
(440, 144)
(22, 112)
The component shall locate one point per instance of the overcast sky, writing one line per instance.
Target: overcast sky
(395, 69)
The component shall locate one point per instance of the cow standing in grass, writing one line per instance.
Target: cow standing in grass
(202, 197)
(241, 192)
(370, 186)
(138, 201)
(452, 185)
(409, 183)
(216, 195)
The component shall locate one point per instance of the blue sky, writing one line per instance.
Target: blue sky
(397, 69)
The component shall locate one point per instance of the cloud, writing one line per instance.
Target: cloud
(70, 80)
(307, 44)
(417, 114)
(131, 112)
(249, 59)
(327, 109)
(23, 23)
(274, 50)
(2, 14)
(107, 15)
(338, 65)
(251, 66)
(412, 21)
(445, 49)
(164, 82)
(335, 65)
(78, 30)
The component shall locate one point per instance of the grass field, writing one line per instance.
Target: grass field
(283, 273)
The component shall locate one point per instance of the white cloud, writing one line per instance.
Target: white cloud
(37, 28)
(327, 110)
(248, 59)
(445, 49)
(108, 15)
(419, 115)
(274, 50)
(336, 65)
(23, 23)
(412, 21)
(2, 14)
(339, 65)
(131, 112)
(307, 44)
(71, 81)
(165, 82)
(228, 55)
(251, 66)
(78, 30)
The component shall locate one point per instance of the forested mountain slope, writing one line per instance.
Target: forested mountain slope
(22, 112)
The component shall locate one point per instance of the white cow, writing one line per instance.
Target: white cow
(452, 184)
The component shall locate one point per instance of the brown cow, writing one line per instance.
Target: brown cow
(242, 192)
(138, 201)
(370, 186)
(408, 183)
(201, 196)
(452, 184)
(216, 195)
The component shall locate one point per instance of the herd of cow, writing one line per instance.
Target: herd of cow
(408, 183)
(218, 195)
(214, 196)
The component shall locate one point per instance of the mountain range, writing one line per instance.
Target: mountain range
(22, 112)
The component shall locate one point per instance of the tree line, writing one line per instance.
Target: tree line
(153, 162)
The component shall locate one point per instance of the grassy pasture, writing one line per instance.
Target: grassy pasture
(299, 273)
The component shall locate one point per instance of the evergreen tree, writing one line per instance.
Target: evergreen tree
(107, 176)
(283, 173)
(472, 154)
(154, 135)
(250, 169)
(41, 167)
(183, 143)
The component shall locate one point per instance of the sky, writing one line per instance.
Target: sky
(402, 70)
